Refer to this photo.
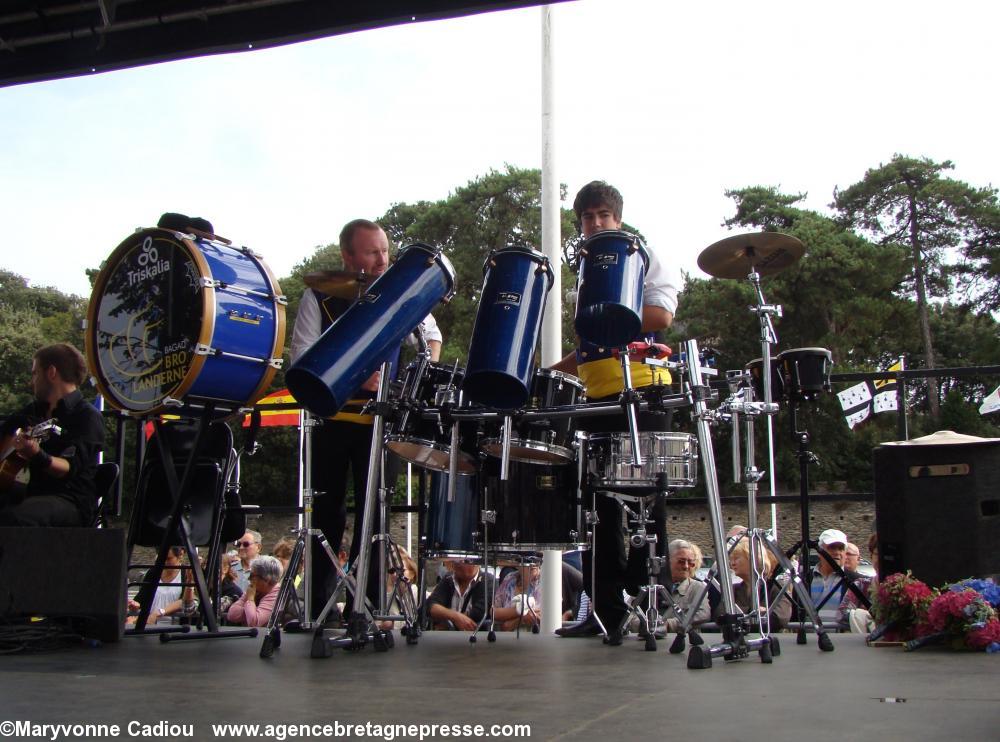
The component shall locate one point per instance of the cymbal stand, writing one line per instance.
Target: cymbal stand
(734, 625)
(768, 339)
(804, 574)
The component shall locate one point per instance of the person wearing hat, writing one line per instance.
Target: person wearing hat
(827, 589)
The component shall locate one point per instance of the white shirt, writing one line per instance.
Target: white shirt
(309, 320)
(662, 283)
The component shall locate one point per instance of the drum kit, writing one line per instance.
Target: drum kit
(180, 322)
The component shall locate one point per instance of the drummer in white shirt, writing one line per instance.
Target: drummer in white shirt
(598, 208)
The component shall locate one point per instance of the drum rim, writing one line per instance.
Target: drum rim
(204, 337)
(280, 327)
(805, 352)
(536, 255)
(634, 238)
(464, 457)
(501, 548)
(439, 256)
(666, 434)
(561, 375)
(451, 554)
(539, 447)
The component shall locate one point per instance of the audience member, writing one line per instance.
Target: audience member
(255, 606)
(229, 591)
(686, 591)
(408, 583)
(249, 549)
(858, 618)
(459, 599)
(827, 588)
(739, 562)
(171, 596)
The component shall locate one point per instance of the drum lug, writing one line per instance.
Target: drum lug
(200, 349)
(209, 283)
(282, 300)
(276, 362)
(171, 402)
(248, 252)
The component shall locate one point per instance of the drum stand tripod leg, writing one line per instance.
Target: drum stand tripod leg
(286, 593)
(649, 594)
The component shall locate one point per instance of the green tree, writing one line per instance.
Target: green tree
(839, 296)
(491, 212)
(907, 202)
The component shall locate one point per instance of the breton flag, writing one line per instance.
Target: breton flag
(862, 400)
(270, 418)
(991, 402)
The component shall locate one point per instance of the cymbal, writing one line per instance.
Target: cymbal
(766, 252)
(342, 284)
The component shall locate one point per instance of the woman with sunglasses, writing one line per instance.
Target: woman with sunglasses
(685, 557)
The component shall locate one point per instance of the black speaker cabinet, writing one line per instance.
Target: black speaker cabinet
(937, 508)
(65, 572)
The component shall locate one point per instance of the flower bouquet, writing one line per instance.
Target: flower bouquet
(899, 607)
(964, 615)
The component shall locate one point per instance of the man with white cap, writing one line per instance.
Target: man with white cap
(827, 587)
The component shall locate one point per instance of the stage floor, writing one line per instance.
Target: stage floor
(565, 689)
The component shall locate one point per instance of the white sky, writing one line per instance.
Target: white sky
(671, 103)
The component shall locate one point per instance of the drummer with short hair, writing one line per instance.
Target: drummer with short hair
(598, 208)
(343, 443)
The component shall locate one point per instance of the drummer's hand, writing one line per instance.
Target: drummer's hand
(372, 384)
(463, 622)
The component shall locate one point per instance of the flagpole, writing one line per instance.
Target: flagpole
(902, 431)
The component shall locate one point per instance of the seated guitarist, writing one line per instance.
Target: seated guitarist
(60, 489)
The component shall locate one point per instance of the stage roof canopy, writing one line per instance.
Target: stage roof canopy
(50, 39)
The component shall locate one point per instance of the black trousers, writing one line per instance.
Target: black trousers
(614, 569)
(42, 510)
(339, 449)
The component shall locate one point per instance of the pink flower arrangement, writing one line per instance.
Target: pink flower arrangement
(900, 604)
(964, 619)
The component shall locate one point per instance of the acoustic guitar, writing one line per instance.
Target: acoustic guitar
(11, 465)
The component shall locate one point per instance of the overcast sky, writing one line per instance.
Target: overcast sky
(673, 104)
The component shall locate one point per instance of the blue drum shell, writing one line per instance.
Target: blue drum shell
(325, 377)
(613, 267)
(508, 321)
(244, 325)
(451, 527)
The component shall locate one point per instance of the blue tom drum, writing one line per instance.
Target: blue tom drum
(354, 346)
(502, 351)
(612, 268)
(451, 526)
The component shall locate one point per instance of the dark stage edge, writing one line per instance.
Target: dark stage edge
(572, 689)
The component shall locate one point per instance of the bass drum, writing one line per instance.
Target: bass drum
(177, 320)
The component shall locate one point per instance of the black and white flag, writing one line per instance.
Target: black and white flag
(862, 400)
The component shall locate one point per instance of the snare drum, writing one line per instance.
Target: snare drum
(544, 441)
(422, 442)
(757, 379)
(612, 266)
(535, 509)
(364, 336)
(669, 461)
(178, 320)
(451, 527)
(806, 371)
(502, 351)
